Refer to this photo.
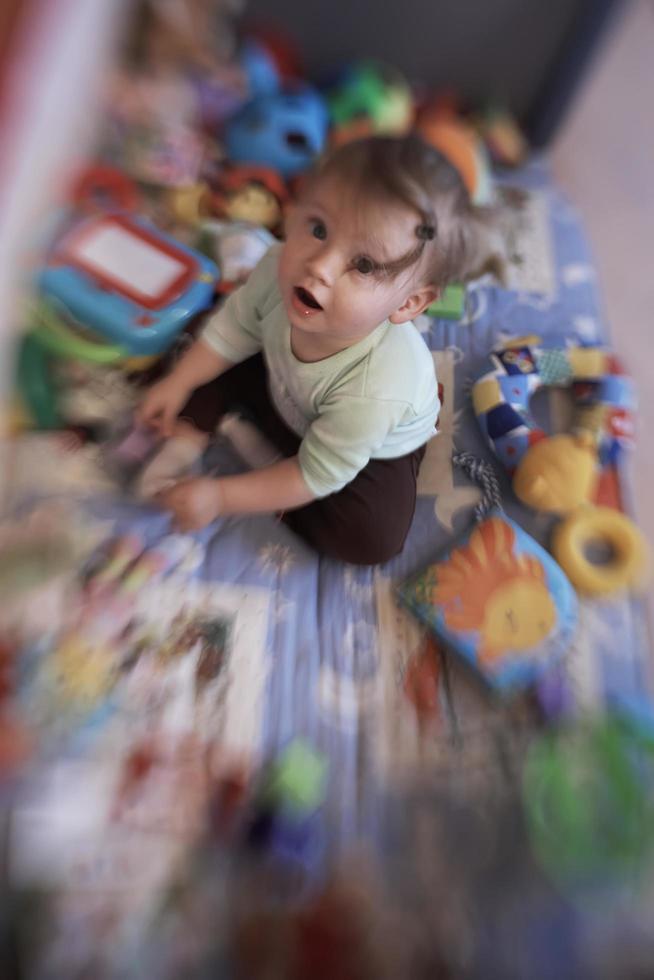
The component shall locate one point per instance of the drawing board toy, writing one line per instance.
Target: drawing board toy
(124, 279)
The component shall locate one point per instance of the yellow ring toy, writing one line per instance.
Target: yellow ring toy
(626, 568)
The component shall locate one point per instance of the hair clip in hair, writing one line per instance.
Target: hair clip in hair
(425, 232)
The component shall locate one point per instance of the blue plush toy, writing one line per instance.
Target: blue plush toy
(285, 131)
(260, 69)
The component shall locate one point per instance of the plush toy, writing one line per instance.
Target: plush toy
(501, 134)
(260, 68)
(371, 98)
(284, 814)
(285, 131)
(237, 247)
(495, 598)
(250, 193)
(588, 801)
(461, 146)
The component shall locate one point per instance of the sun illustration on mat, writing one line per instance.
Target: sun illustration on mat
(485, 586)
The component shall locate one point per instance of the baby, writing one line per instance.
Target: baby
(319, 350)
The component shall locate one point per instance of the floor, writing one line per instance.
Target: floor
(604, 160)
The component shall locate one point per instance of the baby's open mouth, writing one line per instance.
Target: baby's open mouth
(307, 298)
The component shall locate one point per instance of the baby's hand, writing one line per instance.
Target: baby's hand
(161, 406)
(194, 502)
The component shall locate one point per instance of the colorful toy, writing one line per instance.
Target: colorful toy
(496, 598)
(237, 248)
(53, 335)
(371, 98)
(626, 567)
(131, 450)
(189, 203)
(124, 565)
(558, 474)
(296, 781)
(251, 193)
(101, 187)
(123, 278)
(260, 68)
(450, 304)
(501, 134)
(460, 145)
(284, 820)
(284, 131)
(35, 385)
(281, 48)
(30, 556)
(50, 337)
(588, 799)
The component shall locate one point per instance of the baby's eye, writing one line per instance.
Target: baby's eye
(318, 229)
(364, 265)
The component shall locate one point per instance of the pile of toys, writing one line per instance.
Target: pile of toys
(204, 143)
(202, 151)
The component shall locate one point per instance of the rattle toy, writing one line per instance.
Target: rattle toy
(558, 474)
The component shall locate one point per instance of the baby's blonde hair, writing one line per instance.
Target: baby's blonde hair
(408, 171)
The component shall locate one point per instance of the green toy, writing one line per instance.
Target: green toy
(296, 781)
(451, 303)
(35, 384)
(49, 338)
(374, 92)
(589, 802)
(55, 336)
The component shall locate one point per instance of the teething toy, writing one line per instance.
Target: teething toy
(558, 474)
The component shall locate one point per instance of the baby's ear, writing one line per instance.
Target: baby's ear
(415, 304)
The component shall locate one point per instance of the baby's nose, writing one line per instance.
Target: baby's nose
(322, 266)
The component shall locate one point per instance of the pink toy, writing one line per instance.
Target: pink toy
(137, 445)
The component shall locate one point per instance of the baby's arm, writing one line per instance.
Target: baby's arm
(230, 336)
(164, 401)
(198, 501)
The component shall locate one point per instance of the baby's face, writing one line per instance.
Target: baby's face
(327, 267)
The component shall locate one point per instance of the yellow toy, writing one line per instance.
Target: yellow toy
(189, 203)
(560, 474)
(628, 561)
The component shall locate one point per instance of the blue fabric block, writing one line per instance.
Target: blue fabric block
(616, 390)
(511, 449)
(516, 389)
(518, 360)
(609, 452)
(554, 367)
(502, 419)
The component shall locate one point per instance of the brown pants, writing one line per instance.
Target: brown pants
(365, 523)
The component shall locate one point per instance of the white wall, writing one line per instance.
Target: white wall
(604, 160)
(53, 82)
